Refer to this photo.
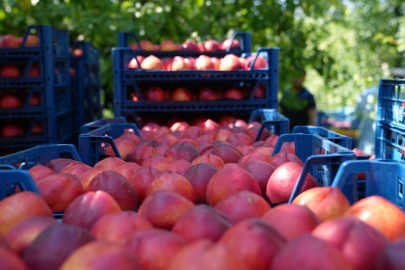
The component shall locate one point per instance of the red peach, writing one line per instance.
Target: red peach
(261, 171)
(180, 166)
(58, 164)
(199, 176)
(38, 172)
(182, 151)
(142, 179)
(109, 163)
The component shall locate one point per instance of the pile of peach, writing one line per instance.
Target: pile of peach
(203, 62)
(194, 197)
(188, 45)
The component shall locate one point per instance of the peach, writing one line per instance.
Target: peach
(283, 180)
(75, 168)
(223, 134)
(89, 207)
(205, 254)
(325, 202)
(205, 149)
(265, 150)
(291, 220)
(280, 158)
(161, 131)
(193, 133)
(59, 190)
(239, 139)
(201, 222)
(272, 140)
(184, 151)
(133, 64)
(10, 261)
(168, 45)
(392, 258)
(226, 120)
(142, 179)
(101, 255)
(211, 45)
(179, 63)
(123, 147)
(229, 44)
(188, 141)
(116, 227)
(230, 62)
(24, 233)
(235, 94)
(190, 45)
(245, 149)
(140, 152)
(254, 156)
(199, 176)
(191, 62)
(58, 164)
(216, 62)
(152, 63)
(127, 169)
(157, 162)
(227, 154)
(110, 163)
(148, 245)
(145, 45)
(129, 134)
(20, 206)
(261, 171)
(54, 245)
(243, 205)
(230, 179)
(254, 131)
(260, 144)
(167, 139)
(160, 150)
(180, 166)
(262, 240)
(204, 62)
(359, 243)
(163, 208)
(288, 147)
(173, 182)
(38, 172)
(86, 177)
(260, 62)
(307, 252)
(117, 186)
(179, 126)
(381, 214)
(210, 159)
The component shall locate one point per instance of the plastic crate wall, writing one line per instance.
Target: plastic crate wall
(383, 178)
(126, 38)
(86, 85)
(53, 87)
(127, 81)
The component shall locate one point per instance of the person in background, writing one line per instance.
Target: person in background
(297, 103)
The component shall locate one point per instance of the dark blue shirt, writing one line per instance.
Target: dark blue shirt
(295, 106)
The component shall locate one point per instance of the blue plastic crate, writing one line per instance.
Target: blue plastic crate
(391, 103)
(125, 38)
(321, 157)
(102, 122)
(128, 82)
(24, 160)
(86, 85)
(383, 177)
(332, 136)
(390, 142)
(92, 145)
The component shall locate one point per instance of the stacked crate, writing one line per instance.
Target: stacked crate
(130, 83)
(45, 114)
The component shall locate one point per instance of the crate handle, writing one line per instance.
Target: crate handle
(317, 160)
(22, 178)
(257, 55)
(105, 139)
(237, 34)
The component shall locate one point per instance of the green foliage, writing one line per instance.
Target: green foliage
(345, 45)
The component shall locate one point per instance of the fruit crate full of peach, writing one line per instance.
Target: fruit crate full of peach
(234, 84)
(85, 83)
(35, 99)
(240, 43)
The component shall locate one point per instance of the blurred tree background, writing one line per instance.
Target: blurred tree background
(345, 45)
